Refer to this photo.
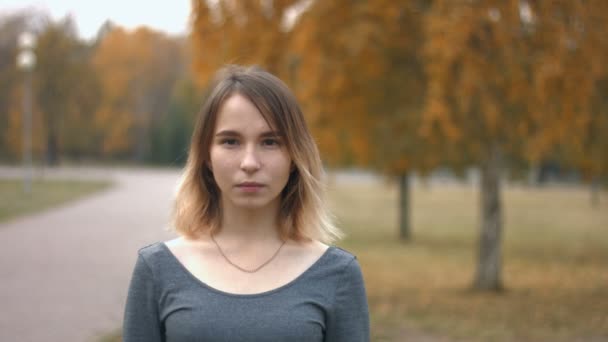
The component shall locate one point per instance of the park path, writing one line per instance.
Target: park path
(64, 272)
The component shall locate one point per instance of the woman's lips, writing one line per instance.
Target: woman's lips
(250, 187)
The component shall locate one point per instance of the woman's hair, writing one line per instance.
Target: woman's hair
(302, 214)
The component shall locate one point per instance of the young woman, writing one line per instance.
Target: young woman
(252, 262)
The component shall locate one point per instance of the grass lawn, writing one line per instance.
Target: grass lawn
(555, 264)
(45, 194)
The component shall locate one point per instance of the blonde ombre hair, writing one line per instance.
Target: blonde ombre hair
(302, 213)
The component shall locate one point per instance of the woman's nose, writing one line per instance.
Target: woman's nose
(250, 161)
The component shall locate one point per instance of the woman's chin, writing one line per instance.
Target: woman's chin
(251, 203)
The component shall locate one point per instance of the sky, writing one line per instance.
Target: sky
(170, 16)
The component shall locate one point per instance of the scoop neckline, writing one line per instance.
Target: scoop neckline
(245, 295)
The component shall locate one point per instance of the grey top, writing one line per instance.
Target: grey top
(168, 303)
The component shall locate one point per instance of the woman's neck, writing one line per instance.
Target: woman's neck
(250, 225)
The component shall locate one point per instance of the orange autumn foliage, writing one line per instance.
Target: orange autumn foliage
(137, 72)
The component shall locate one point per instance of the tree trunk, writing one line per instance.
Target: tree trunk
(405, 233)
(488, 277)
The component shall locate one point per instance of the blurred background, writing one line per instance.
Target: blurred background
(465, 143)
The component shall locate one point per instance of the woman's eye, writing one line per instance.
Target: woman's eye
(270, 142)
(229, 142)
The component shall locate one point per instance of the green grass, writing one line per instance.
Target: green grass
(45, 194)
(555, 264)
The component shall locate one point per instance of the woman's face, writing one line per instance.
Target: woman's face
(249, 160)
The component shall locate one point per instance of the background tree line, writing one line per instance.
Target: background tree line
(396, 86)
(124, 96)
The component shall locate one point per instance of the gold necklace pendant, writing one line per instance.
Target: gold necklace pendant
(244, 269)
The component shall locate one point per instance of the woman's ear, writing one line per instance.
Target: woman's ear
(292, 168)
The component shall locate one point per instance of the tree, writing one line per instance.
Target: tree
(170, 136)
(241, 32)
(138, 71)
(506, 82)
(67, 91)
(573, 33)
(591, 154)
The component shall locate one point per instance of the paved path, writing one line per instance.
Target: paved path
(64, 272)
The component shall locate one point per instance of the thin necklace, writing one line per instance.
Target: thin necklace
(244, 269)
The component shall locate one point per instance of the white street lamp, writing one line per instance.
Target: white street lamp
(26, 61)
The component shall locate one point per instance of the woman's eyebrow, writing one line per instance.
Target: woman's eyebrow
(231, 133)
(271, 134)
(227, 133)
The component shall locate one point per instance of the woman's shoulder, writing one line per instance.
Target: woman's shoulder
(152, 249)
(154, 254)
(161, 258)
(335, 267)
(336, 259)
(343, 254)
(345, 267)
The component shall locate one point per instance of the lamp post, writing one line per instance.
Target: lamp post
(26, 61)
